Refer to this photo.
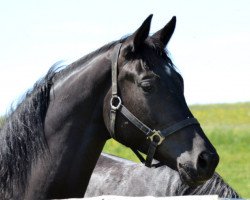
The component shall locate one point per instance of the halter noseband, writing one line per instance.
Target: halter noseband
(156, 137)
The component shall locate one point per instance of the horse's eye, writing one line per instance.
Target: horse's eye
(147, 86)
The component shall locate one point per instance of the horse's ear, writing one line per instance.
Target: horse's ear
(166, 32)
(139, 36)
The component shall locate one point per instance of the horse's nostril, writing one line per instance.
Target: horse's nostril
(203, 160)
(207, 162)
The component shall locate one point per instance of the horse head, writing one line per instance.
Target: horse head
(151, 91)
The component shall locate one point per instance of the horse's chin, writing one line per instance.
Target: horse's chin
(190, 178)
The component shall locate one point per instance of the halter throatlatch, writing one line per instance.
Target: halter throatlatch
(156, 137)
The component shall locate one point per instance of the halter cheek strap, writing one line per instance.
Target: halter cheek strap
(156, 137)
(115, 101)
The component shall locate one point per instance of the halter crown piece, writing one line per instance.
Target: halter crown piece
(156, 137)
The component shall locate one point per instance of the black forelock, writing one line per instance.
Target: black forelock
(158, 47)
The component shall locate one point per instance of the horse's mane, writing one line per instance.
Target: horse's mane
(22, 136)
(215, 185)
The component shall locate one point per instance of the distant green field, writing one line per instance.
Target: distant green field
(228, 128)
(1, 121)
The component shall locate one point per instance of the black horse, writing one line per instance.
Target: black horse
(116, 176)
(51, 142)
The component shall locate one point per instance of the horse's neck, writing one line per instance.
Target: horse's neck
(74, 130)
(77, 99)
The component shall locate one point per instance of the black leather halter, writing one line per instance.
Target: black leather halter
(156, 137)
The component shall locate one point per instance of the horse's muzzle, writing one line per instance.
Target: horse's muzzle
(204, 169)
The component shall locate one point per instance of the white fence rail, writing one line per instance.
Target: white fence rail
(195, 197)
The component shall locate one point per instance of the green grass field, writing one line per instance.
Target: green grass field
(1, 121)
(228, 128)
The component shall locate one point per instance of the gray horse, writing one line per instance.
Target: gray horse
(116, 176)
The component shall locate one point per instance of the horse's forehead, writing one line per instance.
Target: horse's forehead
(149, 61)
(141, 66)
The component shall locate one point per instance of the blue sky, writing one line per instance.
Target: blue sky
(210, 46)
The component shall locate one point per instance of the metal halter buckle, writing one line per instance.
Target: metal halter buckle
(156, 137)
(115, 102)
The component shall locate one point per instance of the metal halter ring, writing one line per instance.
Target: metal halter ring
(156, 137)
(115, 102)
